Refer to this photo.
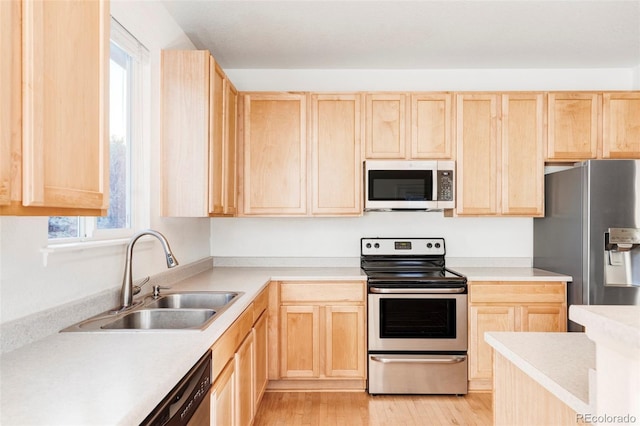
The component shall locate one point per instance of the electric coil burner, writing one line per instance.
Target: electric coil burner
(417, 321)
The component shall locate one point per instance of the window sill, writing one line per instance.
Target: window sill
(85, 245)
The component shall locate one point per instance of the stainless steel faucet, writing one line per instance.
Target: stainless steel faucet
(126, 294)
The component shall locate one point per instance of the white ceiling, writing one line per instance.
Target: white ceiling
(409, 34)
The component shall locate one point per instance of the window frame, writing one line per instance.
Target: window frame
(139, 133)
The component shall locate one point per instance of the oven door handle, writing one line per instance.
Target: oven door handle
(379, 290)
(448, 360)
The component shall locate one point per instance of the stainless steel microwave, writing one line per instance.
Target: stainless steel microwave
(409, 185)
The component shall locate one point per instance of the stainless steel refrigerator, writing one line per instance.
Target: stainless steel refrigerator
(590, 232)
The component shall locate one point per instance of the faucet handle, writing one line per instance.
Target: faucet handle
(138, 288)
(156, 290)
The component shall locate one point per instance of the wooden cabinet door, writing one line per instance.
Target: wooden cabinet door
(522, 166)
(65, 61)
(65, 146)
(482, 319)
(199, 136)
(431, 126)
(540, 317)
(344, 341)
(260, 358)
(275, 154)
(510, 306)
(216, 170)
(230, 187)
(223, 397)
(336, 157)
(477, 142)
(573, 127)
(185, 138)
(621, 125)
(244, 407)
(385, 126)
(300, 341)
(10, 100)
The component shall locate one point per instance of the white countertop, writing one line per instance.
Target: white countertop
(509, 274)
(560, 362)
(617, 323)
(110, 378)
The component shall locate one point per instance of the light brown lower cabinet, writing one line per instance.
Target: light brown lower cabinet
(509, 306)
(239, 360)
(223, 397)
(520, 400)
(260, 357)
(244, 369)
(320, 328)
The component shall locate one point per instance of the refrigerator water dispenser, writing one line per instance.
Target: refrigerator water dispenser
(622, 257)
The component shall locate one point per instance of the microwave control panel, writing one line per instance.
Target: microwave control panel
(445, 185)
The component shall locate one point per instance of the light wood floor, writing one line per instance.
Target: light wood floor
(360, 409)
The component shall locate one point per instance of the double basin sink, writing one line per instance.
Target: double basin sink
(193, 310)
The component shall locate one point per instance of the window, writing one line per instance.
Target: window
(128, 101)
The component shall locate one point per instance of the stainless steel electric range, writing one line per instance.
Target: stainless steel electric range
(417, 317)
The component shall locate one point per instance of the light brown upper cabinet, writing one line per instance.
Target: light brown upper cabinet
(500, 163)
(196, 134)
(425, 132)
(216, 132)
(431, 126)
(10, 99)
(274, 154)
(523, 141)
(335, 154)
(54, 108)
(230, 204)
(385, 123)
(621, 125)
(478, 153)
(573, 126)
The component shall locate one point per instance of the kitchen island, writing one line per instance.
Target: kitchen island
(563, 378)
(119, 377)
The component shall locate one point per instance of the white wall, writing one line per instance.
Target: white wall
(339, 237)
(434, 80)
(26, 286)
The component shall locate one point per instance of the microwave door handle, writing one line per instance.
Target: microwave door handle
(434, 183)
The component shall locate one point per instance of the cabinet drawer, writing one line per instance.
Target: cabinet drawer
(334, 292)
(260, 304)
(225, 347)
(511, 292)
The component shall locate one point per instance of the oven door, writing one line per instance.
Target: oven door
(417, 322)
(400, 185)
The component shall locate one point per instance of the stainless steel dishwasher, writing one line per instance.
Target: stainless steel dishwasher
(188, 403)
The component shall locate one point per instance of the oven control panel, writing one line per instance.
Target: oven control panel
(402, 246)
